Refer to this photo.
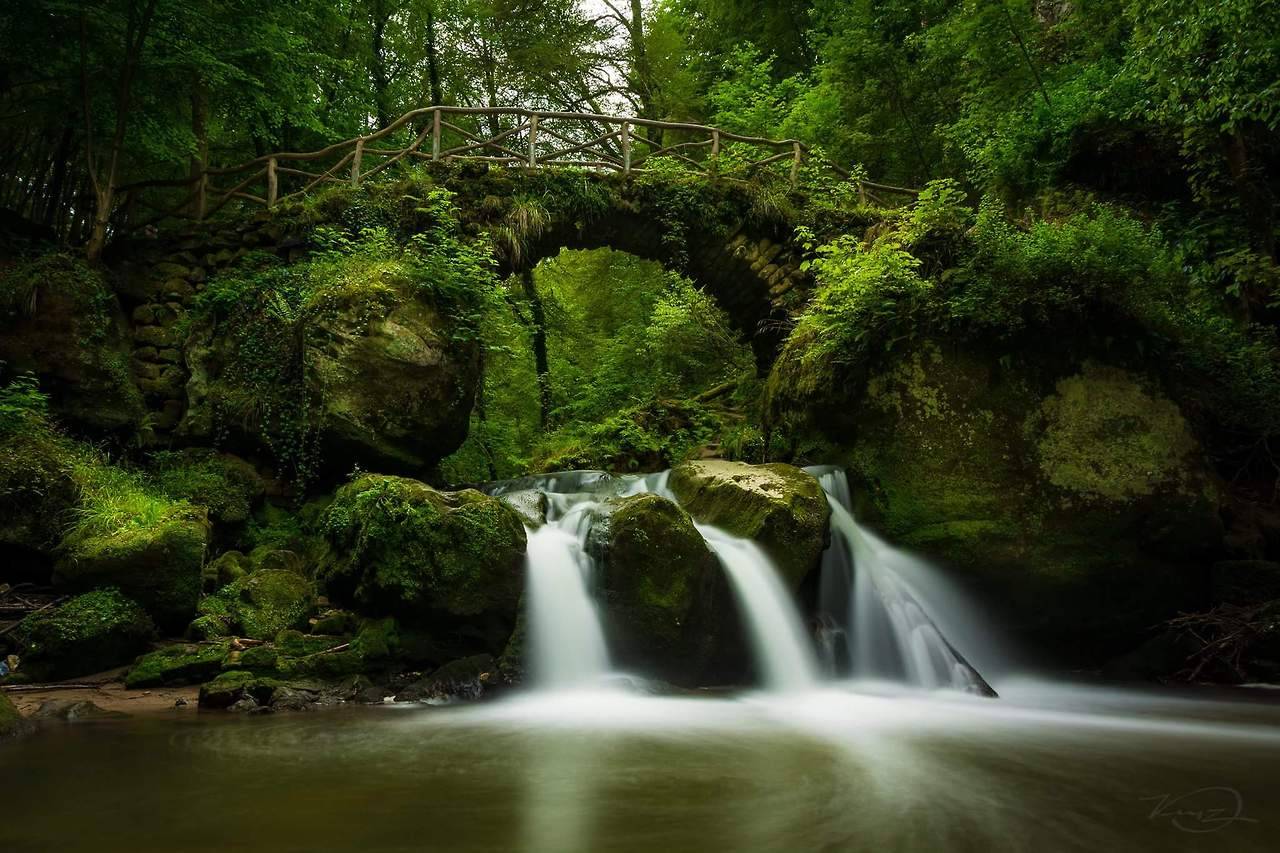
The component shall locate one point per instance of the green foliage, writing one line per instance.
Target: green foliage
(647, 437)
(931, 271)
(23, 405)
(227, 486)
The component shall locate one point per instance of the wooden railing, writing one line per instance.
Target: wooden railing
(532, 139)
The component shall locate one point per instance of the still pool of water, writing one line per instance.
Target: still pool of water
(1042, 769)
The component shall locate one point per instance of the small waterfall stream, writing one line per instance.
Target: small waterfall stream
(883, 604)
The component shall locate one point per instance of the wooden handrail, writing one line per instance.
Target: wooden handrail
(620, 150)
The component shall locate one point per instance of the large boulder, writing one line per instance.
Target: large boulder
(155, 561)
(664, 591)
(258, 606)
(399, 547)
(88, 634)
(779, 506)
(1074, 495)
(61, 321)
(184, 663)
(382, 382)
(225, 484)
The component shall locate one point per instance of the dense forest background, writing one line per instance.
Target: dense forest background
(1125, 150)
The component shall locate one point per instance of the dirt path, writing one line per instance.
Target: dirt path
(107, 691)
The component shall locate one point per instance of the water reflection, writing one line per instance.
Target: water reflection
(879, 767)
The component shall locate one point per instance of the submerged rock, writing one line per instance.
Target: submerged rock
(88, 634)
(12, 723)
(73, 710)
(779, 506)
(400, 547)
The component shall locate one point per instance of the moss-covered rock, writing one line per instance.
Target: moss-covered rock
(661, 586)
(230, 687)
(385, 384)
(225, 484)
(780, 507)
(60, 320)
(400, 547)
(89, 633)
(258, 606)
(155, 562)
(1074, 495)
(38, 495)
(185, 663)
(465, 679)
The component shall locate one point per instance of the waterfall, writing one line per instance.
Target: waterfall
(888, 606)
(567, 646)
(778, 638)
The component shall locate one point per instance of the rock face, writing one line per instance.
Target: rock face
(60, 321)
(663, 589)
(402, 548)
(1074, 497)
(156, 564)
(386, 387)
(781, 507)
(90, 633)
(396, 392)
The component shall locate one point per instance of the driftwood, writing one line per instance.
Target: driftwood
(538, 139)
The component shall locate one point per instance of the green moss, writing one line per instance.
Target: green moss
(1102, 436)
(658, 578)
(402, 547)
(88, 634)
(229, 687)
(650, 437)
(227, 485)
(780, 507)
(181, 664)
(38, 493)
(258, 606)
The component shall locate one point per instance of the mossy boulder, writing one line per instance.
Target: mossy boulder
(60, 320)
(385, 385)
(663, 588)
(465, 679)
(185, 663)
(155, 562)
(88, 634)
(399, 547)
(779, 506)
(1072, 494)
(228, 486)
(230, 687)
(258, 606)
(38, 495)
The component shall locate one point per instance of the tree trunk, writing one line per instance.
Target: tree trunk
(378, 63)
(433, 59)
(199, 130)
(539, 331)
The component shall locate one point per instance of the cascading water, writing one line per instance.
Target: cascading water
(568, 648)
(782, 650)
(880, 602)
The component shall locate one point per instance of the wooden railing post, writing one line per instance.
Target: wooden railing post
(435, 137)
(795, 164)
(715, 145)
(356, 160)
(533, 141)
(273, 183)
(626, 148)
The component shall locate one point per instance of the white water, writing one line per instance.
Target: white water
(783, 652)
(899, 618)
(567, 647)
